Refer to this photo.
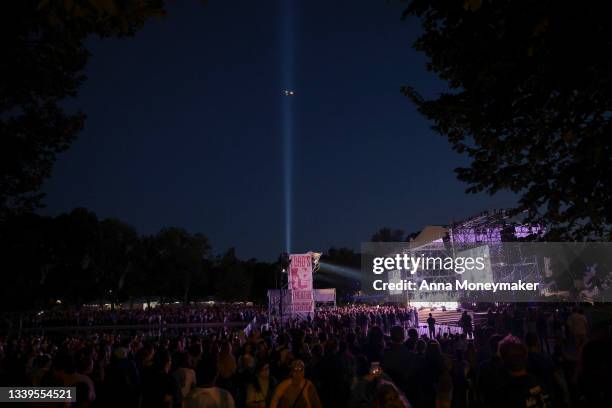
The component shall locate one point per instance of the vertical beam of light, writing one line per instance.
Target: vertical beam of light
(288, 170)
(286, 54)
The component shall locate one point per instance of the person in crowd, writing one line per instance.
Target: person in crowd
(375, 345)
(431, 324)
(578, 327)
(337, 363)
(145, 356)
(122, 380)
(420, 348)
(40, 367)
(542, 330)
(334, 374)
(159, 388)
(557, 327)
(460, 373)
(226, 365)
(531, 322)
(388, 396)
(184, 374)
(296, 391)
(261, 388)
(262, 350)
(519, 389)
(542, 366)
(436, 377)
(246, 362)
(490, 373)
(466, 324)
(594, 372)
(415, 315)
(206, 394)
(403, 365)
(364, 386)
(80, 379)
(491, 320)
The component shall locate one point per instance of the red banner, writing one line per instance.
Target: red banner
(300, 284)
(300, 272)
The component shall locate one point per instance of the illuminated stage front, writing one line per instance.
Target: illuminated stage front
(435, 305)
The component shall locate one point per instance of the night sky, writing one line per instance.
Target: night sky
(184, 128)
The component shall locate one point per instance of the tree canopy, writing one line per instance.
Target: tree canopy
(529, 100)
(79, 258)
(386, 234)
(43, 64)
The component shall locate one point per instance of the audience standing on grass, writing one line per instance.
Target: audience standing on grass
(351, 356)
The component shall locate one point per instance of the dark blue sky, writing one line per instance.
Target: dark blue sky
(184, 128)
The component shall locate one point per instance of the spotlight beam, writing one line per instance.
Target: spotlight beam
(340, 270)
(287, 113)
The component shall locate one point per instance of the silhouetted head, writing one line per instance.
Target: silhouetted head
(513, 353)
(397, 334)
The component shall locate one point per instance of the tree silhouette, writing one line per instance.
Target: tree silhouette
(115, 257)
(233, 280)
(178, 258)
(388, 235)
(529, 100)
(43, 64)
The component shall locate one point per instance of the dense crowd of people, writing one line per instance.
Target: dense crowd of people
(159, 315)
(354, 356)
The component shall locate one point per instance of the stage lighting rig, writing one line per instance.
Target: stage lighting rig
(285, 261)
(315, 260)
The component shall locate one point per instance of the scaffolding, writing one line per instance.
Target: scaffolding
(488, 232)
